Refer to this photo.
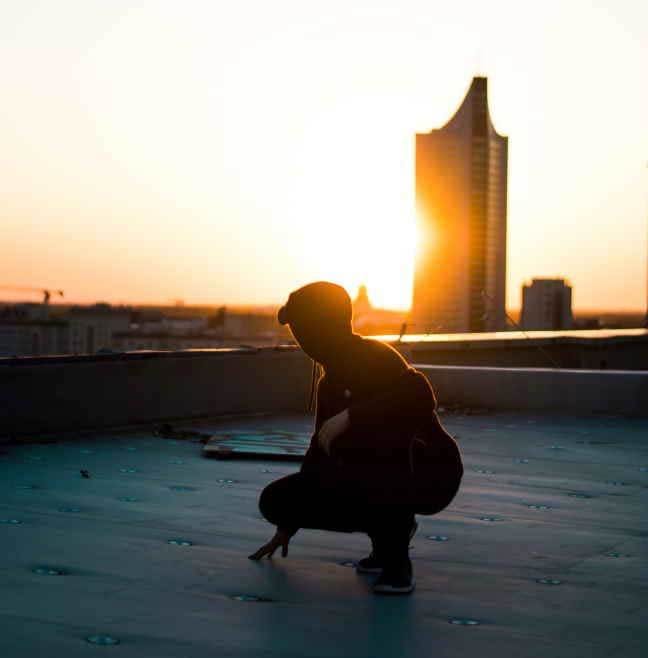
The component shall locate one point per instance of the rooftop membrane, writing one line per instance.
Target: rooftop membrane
(542, 553)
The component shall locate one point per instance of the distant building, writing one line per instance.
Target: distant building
(174, 326)
(461, 198)
(33, 337)
(361, 303)
(27, 330)
(24, 311)
(92, 327)
(546, 304)
(369, 320)
(126, 341)
(252, 327)
(362, 308)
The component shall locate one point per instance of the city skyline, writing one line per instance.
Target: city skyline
(227, 155)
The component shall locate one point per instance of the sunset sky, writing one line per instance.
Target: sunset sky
(229, 152)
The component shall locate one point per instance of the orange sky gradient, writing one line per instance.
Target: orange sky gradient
(227, 153)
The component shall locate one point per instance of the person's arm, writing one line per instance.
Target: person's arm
(404, 407)
(281, 538)
(309, 457)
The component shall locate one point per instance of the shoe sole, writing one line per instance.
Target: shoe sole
(374, 570)
(388, 589)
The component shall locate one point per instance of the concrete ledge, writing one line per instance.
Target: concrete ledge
(49, 395)
(590, 350)
(618, 392)
(55, 394)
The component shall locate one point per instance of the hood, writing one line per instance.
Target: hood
(319, 315)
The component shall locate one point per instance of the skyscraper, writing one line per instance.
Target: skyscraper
(461, 195)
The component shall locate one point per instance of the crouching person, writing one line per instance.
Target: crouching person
(378, 455)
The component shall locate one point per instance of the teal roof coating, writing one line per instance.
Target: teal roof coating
(148, 556)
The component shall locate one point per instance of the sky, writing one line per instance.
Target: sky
(230, 152)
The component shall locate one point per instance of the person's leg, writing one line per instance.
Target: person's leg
(296, 501)
(390, 530)
(390, 537)
(387, 539)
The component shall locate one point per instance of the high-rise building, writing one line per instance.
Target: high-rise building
(546, 304)
(461, 198)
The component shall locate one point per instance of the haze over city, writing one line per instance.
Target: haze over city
(228, 153)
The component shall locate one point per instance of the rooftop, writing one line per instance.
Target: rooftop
(542, 553)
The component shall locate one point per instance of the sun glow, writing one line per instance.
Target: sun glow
(228, 153)
(339, 210)
(425, 238)
(372, 246)
(356, 212)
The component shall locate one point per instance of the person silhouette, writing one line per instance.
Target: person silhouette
(378, 455)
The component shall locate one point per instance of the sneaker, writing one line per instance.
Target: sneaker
(371, 564)
(395, 579)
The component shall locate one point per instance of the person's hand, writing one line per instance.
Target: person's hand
(332, 428)
(281, 538)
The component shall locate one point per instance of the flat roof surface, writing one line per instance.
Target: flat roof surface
(545, 546)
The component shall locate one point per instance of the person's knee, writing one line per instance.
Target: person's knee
(275, 498)
(267, 503)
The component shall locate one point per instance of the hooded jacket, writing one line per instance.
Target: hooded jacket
(395, 451)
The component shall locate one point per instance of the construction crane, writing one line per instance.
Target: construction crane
(43, 291)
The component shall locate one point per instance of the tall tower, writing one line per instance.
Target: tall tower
(461, 195)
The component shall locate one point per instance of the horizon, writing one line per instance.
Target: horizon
(208, 151)
(241, 306)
